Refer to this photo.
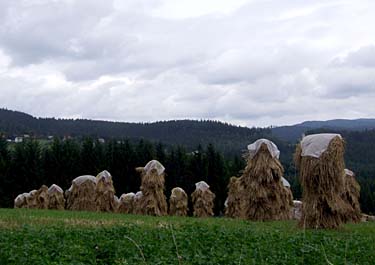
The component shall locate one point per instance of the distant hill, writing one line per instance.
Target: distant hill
(294, 132)
(190, 133)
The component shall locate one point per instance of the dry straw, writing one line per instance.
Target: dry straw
(351, 195)
(126, 203)
(105, 193)
(320, 160)
(20, 201)
(81, 195)
(153, 202)
(31, 201)
(137, 204)
(178, 202)
(203, 200)
(259, 194)
(56, 198)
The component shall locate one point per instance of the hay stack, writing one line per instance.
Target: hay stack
(81, 195)
(31, 201)
(297, 210)
(203, 200)
(126, 204)
(42, 197)
(288, 198)
(320, 160)
(233, 202)
(138, 203)
(351, 196)
(117, 203)
(153, 201)
(264, 196)
(20, 200)
(104, 193)
(178, 202)
(56, 198)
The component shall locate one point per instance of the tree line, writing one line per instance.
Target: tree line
(26, 166)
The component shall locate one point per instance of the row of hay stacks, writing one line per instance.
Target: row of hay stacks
(259, 194)
(44, 198)
(330, 193)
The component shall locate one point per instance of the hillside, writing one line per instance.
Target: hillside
(190, 133)
(294, 132)
(68, 237)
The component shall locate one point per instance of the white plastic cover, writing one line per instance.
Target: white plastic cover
(154, 164)
(79, 180)
(226, 203)
(127, 195)
(116, 198)
(104, 175)
(285, 182)
(20, 198)
(138, 195)
(201, 185)
(349, 172)
(315, 145)
(54, 188)
(272, 148)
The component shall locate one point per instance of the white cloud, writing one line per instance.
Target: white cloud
(250, 62)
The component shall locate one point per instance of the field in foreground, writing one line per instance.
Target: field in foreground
(52, 237)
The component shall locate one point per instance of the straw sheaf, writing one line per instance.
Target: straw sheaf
(42, 197)
(323, 184)
(126, 205)
(203, 203)
(81, 197)
(178, 202)
(56, 200)
(104, 195)
(261, 195)
(351, 196)
(153, 202)
(31, 201)
(235, 198)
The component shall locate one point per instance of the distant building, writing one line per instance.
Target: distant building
(101, 140)
(18, 139)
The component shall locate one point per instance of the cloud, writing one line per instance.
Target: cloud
(249, 62)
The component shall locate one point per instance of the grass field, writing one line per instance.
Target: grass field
(53, 237)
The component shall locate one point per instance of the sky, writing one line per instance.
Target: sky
(246, 62)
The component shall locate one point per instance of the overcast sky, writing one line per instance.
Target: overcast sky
(248, 62)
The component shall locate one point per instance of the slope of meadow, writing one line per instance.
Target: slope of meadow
(52, 237)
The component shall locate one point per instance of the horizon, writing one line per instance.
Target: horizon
(186, 119)
(244, 62)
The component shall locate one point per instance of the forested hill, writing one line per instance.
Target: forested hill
(294, 132)
(190, 133)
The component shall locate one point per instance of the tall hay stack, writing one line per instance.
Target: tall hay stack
(104, 193)
(178, 202)
(320, 160)
(288, 197)
(126, 203)
(203, 200)
(81, 195)
(56, 198)
(42, 197)
(264, 196)
(31, 201)
(351, 195)
(153, 201)
(233, 202)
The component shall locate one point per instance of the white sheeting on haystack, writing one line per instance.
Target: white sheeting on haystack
(315, 145)
(54, 188)
(154, 164)
(272, 148)
(138, 195)
(201, 185)
(349, 172)
(105, 175)
(285, 182)
(79, 180)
